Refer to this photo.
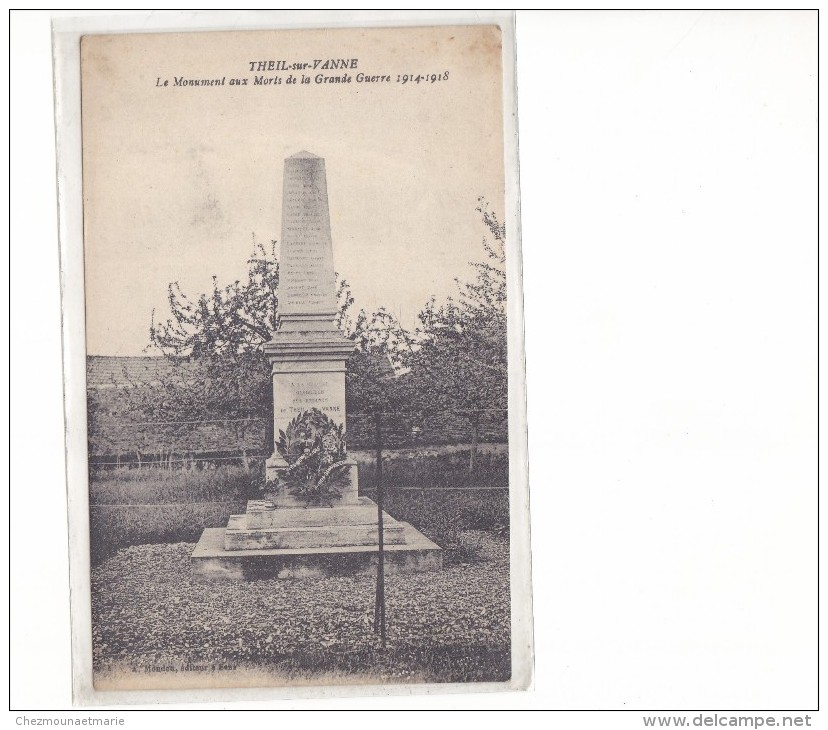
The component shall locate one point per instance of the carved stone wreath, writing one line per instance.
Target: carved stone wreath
(314, 447)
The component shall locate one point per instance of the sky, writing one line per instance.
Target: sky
(180, 180)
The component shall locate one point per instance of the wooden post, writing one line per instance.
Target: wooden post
(379, 606)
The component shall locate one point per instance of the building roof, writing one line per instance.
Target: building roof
(110, 371)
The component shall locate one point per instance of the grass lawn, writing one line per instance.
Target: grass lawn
(150, 618)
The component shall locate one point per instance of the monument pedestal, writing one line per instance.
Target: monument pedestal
(310, 542)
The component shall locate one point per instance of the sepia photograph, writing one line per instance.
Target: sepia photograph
(301, 457)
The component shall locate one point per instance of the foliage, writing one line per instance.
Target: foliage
(215, 344)
(94, 410)
(234, 319)
(445, 515)
(460, 357)
(139, 506)
(169, 486)
(429, 469)
(224, 385)
(382, 333)
(455, 360)
(452, 625)
(488, 291)
(373, 380)
(113, 527)
(314, 447)
(456, 357)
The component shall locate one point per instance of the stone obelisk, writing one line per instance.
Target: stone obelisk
(308, 353)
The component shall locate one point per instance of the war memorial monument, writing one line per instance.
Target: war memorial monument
(311, 523)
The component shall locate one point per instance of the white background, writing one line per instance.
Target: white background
(668, 174)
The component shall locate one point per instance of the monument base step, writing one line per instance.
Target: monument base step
(262, 514)
(264, 526)
(210, 561)
(238, 536)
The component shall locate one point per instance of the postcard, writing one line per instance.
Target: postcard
(296, 433)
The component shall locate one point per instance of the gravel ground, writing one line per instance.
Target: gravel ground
(148, 615)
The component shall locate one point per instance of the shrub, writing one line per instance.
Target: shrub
(427, 469)
(113, 527)
(442, 516)
(140, 506)
(164, 486)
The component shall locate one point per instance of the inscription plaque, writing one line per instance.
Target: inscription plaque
(297, 392)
